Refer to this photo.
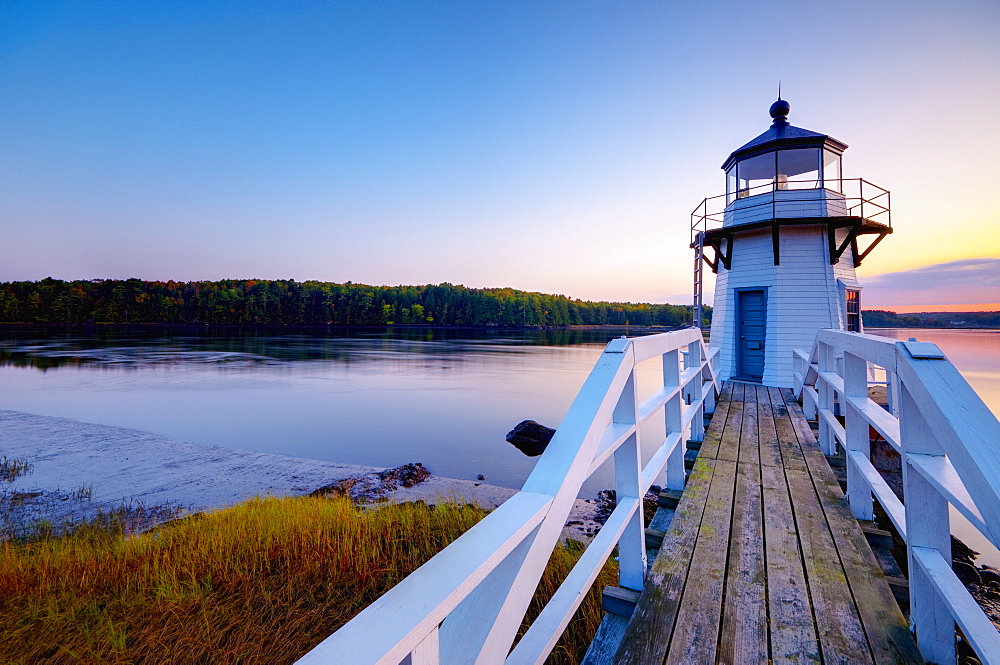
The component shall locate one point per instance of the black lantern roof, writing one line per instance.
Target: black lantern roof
(782, 135)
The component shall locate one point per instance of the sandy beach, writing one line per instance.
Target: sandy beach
(81, 467)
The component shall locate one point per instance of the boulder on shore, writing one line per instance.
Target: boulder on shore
(530, 437)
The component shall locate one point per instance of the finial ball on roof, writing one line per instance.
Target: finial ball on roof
(780, 108)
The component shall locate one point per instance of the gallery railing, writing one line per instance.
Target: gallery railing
(466, 604)
(852, 197)
(949, 442)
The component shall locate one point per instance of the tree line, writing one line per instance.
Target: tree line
(287, 302)
(878, 318)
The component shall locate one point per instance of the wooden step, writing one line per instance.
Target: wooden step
(690, 457)
(654, 538)
(693, 445)
(877, 537)
(669, 498)
(900, 588)
(619, 600)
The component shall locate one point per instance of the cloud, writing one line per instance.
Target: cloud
(958, 282)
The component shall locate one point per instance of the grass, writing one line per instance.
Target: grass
(261, 582)
(12, 468)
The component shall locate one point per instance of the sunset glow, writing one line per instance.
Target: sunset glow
(555, 147)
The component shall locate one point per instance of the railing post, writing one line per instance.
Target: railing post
(427, 652)
(826, 364)
(628, 472)
(856, 428)
(892, 392)
(672, 412)
(708, 374)
(927, 525)
(695, 391)
(810, 406)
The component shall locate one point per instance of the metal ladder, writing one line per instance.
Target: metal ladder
(699, 264)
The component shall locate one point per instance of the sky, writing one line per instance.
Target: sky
(547, 146)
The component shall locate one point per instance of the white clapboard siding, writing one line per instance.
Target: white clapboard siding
(785, 204)
(804, 292)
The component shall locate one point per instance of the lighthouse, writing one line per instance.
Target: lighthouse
(785, 241)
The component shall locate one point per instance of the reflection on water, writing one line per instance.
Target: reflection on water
(378, 397)
(445, 398)
(46, 348)
(975, 353)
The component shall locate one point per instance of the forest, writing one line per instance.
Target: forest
(878, 318)
(287, 302)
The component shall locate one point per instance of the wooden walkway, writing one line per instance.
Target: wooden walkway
(764, 561)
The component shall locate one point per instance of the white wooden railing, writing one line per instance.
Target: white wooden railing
(949, 441)
(466, 604)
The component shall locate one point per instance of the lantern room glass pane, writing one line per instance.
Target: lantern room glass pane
(798, 169)
(831, 171)
(755, 175)
(731, 184)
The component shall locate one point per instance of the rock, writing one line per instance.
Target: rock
(480, 477)
(962, 552)
(530, 437)
(607, 500)
(966, 572)
(990, 575)
(407, 475)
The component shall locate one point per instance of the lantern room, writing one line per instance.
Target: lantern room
(784, 241)
(784, 158)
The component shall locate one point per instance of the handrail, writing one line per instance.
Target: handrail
(949, 441)
(466, 604)
(860, 198)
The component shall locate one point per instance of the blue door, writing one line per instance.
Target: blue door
(751, 316)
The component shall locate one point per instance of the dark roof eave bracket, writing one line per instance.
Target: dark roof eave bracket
(836, 251)
(861, 257)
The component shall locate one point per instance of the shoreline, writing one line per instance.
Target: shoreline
(82, 467)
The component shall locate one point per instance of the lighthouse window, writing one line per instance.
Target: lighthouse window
(755, 175)
(831, 171)
(731, 184)
(798, 169)
(853, 310)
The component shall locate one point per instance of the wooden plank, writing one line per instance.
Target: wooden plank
(744, 616)
(770, 450)
(788, 438)
(793, 629)
(607, 640)
(648, 634)
(749, 443)
(696, 631)
(618, 600)
(713, 436)
(841, 635)
(729, 444)
(887, 632)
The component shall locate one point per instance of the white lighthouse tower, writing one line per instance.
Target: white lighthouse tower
(784, 243)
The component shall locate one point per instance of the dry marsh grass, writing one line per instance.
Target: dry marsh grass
(261, 582)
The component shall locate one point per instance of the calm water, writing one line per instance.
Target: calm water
(374, 397)
(380, 398)
(976, 354)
